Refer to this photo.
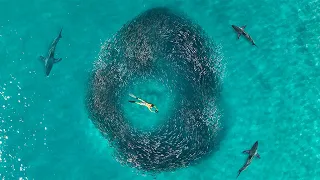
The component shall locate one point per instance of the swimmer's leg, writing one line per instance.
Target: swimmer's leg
(140, 103)
(133, 96)
(141, 100)
(136, 97)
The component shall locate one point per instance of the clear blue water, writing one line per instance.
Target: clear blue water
(271, 93)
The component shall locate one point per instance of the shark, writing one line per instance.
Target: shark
(49, 60)
(253, 152)
(241, 31)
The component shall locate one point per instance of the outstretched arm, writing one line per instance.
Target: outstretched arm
(151, 110)
(156, 109)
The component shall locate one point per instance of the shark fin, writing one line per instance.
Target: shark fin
(60, 36)
(254, 44)
(239, 34)
(57, 60)
(243, 26)
(246, 152)
(42, 58)
(239, 172)
(258, 156)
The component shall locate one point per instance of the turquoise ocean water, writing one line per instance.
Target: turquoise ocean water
(270, 93)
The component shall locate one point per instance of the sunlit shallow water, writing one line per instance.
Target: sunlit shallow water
(270, 93)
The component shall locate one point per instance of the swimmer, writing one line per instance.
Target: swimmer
(144, 103)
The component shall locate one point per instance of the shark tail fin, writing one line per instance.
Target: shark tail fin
(254, 44)
(60, 36)
(238, 173)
